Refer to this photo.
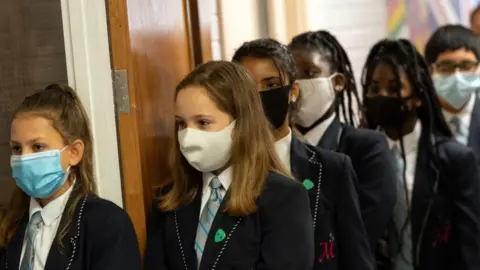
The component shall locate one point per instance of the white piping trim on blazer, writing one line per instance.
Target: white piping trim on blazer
(219, 254)
(72, 240)
(320, 173)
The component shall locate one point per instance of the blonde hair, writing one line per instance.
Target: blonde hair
(61, 105)
(253, 151)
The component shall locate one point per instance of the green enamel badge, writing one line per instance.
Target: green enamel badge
(219, 235)
(308, 184)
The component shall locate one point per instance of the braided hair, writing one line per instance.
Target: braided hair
(328, 46)
(402, 56)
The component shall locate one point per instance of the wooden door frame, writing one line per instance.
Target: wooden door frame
(87, 56)
(200, 14)
(127, 126)
(136, 188)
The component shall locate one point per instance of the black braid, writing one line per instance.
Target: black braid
(402, 56)
(328, 46)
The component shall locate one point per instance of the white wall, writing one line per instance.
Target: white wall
(240, 21)
(89, 72)
(215, 33)
(357, 24)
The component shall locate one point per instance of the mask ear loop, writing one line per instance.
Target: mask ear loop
(67, 171)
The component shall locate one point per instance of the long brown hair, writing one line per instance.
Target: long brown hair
(61, 105)
(253, 151)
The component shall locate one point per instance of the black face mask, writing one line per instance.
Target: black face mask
(387, 112)
(275, 104)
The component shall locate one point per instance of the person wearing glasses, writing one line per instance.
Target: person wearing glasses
(453, 55)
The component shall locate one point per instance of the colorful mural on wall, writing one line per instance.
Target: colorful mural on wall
(417, 19)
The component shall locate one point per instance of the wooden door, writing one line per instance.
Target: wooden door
(158, 43)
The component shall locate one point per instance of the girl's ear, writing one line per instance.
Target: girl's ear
(294, 92)
(76, 152)
(338, 81)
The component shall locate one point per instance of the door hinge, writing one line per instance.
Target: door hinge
(120, 89)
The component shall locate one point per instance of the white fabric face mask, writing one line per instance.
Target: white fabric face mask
(316, 97)
(206, 151)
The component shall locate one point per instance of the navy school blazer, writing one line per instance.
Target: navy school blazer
(341, 241)
(101, 237)
(474, 130)
(278, 236)
(375, 170)
(445, 222)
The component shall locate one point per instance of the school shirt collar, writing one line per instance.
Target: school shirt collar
(225, 178)
(283, 147)
(53, 210)
(315, 134)
(410, 141)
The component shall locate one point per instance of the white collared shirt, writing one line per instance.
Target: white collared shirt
(465, 115)
(225, 178)
(283, 146)
(51, 216)
(314, 136)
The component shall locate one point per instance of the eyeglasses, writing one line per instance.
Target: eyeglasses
(451, 67)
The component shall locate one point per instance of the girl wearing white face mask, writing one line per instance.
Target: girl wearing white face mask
(325, 73)
(231, 204)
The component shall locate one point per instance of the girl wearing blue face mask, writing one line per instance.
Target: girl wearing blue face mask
(453, 55)
(55, 219)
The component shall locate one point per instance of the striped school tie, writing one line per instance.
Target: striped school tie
(207, 216)
(460, 131)
(34, 225)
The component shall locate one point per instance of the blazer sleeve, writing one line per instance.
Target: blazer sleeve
(155, 251)
(465, 251)
(374, 167)
(352, 239)
(115, 246)
(287, 230)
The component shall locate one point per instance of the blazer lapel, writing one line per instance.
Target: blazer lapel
(307, 168)
(330, 138)
(60, 257)
(223, 227)
(14, 250)
(186, 222)
(425, 176)
(474, 129)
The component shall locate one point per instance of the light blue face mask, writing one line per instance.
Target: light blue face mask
(39, 174)
(456, 89)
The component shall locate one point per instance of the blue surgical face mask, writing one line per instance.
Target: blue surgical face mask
(456, 89)
(39, 174)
